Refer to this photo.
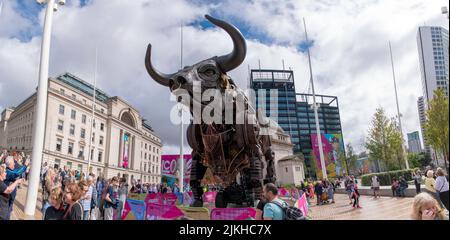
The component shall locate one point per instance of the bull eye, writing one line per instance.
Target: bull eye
(207, 71)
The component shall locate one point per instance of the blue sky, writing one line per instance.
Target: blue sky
(30, 10)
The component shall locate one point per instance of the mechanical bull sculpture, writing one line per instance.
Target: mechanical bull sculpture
(236, 152)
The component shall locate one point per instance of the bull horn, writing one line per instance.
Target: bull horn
(159, 77)
(237, 56)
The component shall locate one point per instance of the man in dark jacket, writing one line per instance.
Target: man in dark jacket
(318, 190)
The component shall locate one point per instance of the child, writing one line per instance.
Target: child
(425, 207)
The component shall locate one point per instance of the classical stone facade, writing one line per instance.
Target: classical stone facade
(120, 143)
(289, 168)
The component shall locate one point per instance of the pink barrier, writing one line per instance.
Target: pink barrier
(133, 210)
(209, 197)
(162, 212)
(166, 199)
(233, 214)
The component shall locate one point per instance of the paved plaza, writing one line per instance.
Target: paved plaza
(384, 208)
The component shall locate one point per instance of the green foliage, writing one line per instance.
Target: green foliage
(437, 125)
(415, 160)
(386, 177)
(385, 142)
(351, 159)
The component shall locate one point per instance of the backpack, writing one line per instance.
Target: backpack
(290, 213)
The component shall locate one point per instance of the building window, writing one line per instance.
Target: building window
(83, 119)
(83, 133)
(93, 137)
(146, 146)
(58, 144)
(57, 164)
(61, 109)
(297, 169)
(72, 129)
(70, 149)
(145, 156)
(73, 114)
(287, 170)
(60, 125)
(145, 167)
(92, 154)
(100, 154)
(101, 140)
(102, 126)
(61, 91)
(81, 153)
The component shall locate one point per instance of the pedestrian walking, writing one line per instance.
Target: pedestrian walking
(417, 180)
(375, 186)
(441, 187)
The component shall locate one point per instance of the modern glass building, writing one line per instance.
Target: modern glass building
(329, 120)
(295, 112)
(280, 82)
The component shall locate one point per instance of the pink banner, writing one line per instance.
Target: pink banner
(233, 214)
(158, 198)
(302, 204)
(133, 210)
(169, 165)
(162, 212)
(209, 197)
(283, 192)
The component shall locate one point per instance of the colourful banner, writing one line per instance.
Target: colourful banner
(233, 214)
(169, 166)
(302, 204)
(333, 149)
(209, 197)
(158, 198)
(134, 210)
(162, 212)
(137, 196)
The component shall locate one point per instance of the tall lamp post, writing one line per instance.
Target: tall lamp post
(41, 109)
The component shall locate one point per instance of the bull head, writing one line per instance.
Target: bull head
(208, 72)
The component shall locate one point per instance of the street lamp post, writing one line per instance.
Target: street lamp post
(41, 109)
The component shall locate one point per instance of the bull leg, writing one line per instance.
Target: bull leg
(270, 171)
(197, 173)
(253, 178)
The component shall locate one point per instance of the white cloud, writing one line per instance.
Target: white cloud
(350, 55)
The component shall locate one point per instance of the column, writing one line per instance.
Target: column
(120, 148)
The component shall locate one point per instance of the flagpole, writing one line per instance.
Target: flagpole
(398, 108)
(319, 135)
(181, 124)
(93, 112)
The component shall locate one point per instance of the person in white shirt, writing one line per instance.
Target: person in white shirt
(441, 186)
(375, 186)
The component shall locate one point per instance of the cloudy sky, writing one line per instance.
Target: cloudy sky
(350, 53)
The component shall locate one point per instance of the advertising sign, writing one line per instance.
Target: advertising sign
(169, 166)
(333, 149)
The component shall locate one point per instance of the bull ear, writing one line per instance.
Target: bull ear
(159, 77)
(236, 57)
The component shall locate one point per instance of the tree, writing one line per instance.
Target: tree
(436, 126)
(351, 158)
(415, 160)
(425, 159)
(384, 142)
